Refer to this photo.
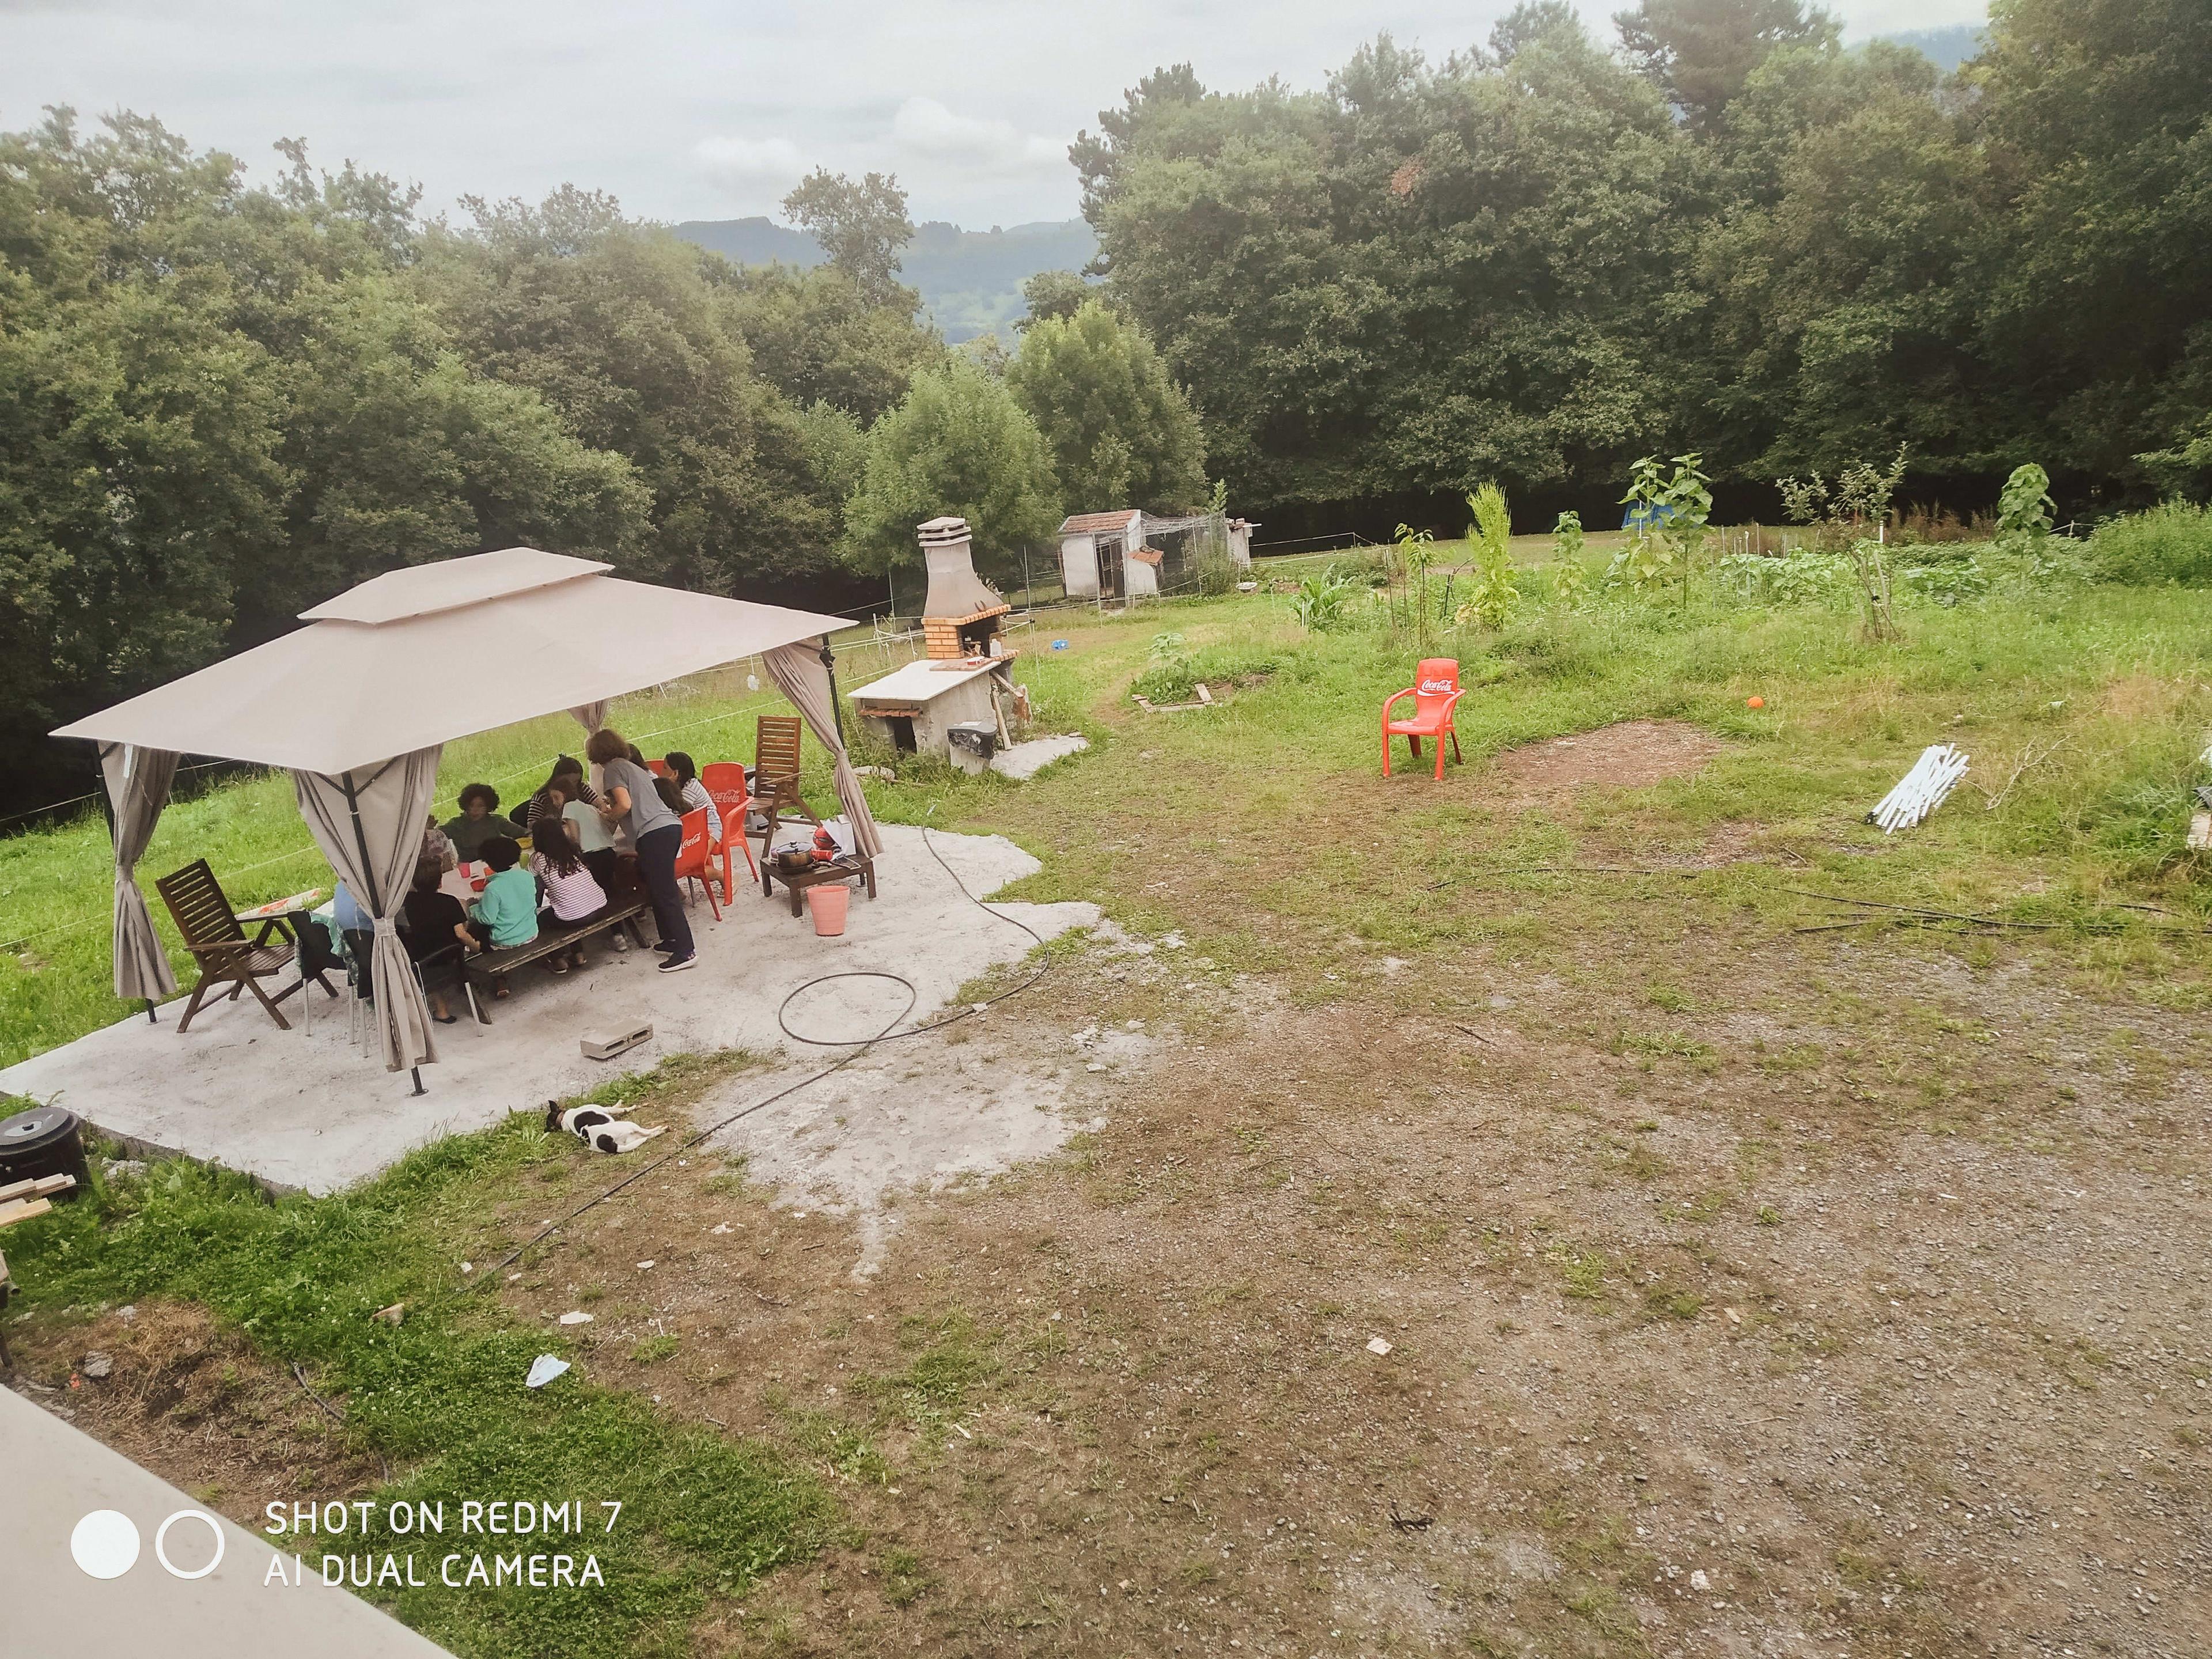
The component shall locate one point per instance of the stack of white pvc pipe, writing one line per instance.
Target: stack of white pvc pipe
(1922, 790)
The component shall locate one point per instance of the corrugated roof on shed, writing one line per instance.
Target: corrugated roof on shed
(1084, 523)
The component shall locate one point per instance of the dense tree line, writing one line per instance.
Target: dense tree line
(220, 404)
(1539, 258)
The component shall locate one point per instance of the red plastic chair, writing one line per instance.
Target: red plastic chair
(1435, 690)
(692, 863)
(725, 782)
(658, 768)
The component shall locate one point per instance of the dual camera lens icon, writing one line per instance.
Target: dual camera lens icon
(106, 1544)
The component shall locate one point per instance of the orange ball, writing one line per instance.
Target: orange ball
(1754, 702)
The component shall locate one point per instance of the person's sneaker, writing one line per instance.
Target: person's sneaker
(622, 943)
(677, 965)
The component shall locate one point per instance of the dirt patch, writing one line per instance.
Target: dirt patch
(195, 1405)
(1631, 755)
(1704, 1339)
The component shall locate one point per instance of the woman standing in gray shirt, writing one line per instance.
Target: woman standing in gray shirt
(627, 797)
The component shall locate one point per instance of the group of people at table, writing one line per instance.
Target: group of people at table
(586, 844)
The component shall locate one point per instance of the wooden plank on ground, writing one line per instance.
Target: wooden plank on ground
(22, 1210)
(38, 1186)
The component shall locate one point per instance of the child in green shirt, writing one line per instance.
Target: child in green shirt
(506, 912)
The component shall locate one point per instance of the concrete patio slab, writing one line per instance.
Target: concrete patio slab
(307, 1109)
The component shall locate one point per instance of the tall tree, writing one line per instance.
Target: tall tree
(862, 227)
(1702, 51)
(219, 405)
(620, 328)
(1053, 295)
(814, 335)
(1119, 431)
(2095, 293)
(1427, 278)
(958, 443)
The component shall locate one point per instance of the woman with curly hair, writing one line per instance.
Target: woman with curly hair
(479, 821)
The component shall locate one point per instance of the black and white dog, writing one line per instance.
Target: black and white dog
(598, 1126)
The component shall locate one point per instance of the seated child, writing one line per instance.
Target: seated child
(589, 831)
(571, 892)
(692, 793)
(505, 913)
(435, 922)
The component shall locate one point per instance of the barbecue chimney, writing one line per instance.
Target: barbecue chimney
(960, 614)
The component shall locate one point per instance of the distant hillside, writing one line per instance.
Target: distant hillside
(1946, 48)
(970, 281)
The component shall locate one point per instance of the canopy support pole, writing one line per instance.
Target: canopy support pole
(836, 702)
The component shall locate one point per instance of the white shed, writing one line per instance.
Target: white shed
(1094, 549)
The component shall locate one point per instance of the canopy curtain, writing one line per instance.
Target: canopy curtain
(369, 823)
(592, 715)
(800, 674)
(138, 788)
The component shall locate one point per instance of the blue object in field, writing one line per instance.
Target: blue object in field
(1060, 645)
(1643, 517)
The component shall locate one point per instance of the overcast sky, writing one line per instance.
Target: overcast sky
(690, 109)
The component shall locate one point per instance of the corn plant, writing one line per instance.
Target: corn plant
(1570, 581)
(1323, 602)
(1492, 595)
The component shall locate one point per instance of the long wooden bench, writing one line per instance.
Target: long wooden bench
(490, 967)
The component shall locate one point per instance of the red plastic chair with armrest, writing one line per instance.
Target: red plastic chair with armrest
(692, 863)
(1435, 691)
(725, 783)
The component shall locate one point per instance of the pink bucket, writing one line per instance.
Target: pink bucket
(828, 902)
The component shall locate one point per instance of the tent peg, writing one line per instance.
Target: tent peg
(417, 1071)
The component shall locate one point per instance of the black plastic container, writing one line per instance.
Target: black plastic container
(43, 1141)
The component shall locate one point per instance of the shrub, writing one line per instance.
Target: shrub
(1947, 582)
(1492, 595)
(1570, 581)
(1376, 567)
(2169, 544)
(1215, 572)
(1840, 515)
(1803, 577)
(1176, 670)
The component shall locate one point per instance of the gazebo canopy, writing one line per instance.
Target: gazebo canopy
(358, 704)
(419, 657)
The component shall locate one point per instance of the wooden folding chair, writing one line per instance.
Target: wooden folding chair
(775, 752)
(217, 940)
(776, 782)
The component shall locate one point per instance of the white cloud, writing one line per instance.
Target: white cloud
(665, 102)
(745, 165)
(925, 128)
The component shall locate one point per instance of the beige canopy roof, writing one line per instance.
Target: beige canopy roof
(418, 657)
